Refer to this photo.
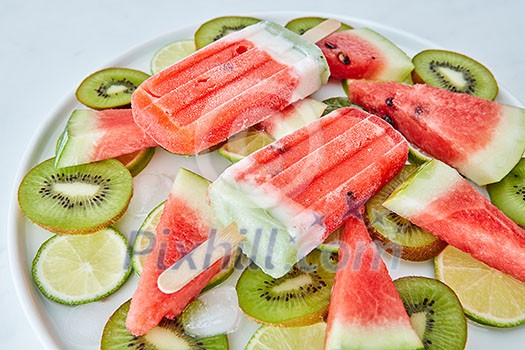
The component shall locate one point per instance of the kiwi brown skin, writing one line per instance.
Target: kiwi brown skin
(421, 253)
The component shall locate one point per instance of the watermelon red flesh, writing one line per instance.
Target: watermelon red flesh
(442, 202)
(188, 116)
(364, 54)
(180, 230)
(366, 311)
(91, 136)
(482, 139)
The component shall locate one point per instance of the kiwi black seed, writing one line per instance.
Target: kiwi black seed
(399, 236)
(435, 312)
(169, 334)
(303, 24)
(335, 103)
(300, 297)
(509, 194)
(77, 199)
(110, 87)
(219, 27)
(455, 72)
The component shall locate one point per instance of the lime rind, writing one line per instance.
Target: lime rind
(108, 246)
(145, 237)
(171, 54)
(512, 288)
(277, 338)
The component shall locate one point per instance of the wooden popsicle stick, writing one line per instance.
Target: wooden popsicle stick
(216, 247)
(322, 30)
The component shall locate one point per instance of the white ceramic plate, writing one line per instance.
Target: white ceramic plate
(80, 327)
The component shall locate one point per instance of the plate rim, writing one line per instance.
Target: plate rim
(30, 302)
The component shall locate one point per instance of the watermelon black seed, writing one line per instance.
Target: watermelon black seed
(343, 57)
(418, 111)
(330, 45)
(388, 119)
(389, 102)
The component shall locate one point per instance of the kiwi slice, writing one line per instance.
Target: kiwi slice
(110, 87)
(509, 194)
(455, 72)
(435, 311)
(335, 103)
(219, 27)
(299, 298)
(399, 236)
(169, 334)
(303, 24)
(78, 199)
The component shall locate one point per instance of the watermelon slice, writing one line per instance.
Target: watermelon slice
(91, 136)
(364, 54)
(293, 117)
(482, 139)
(366, 311)
(185, 223)
(442, 202)
(290, 195)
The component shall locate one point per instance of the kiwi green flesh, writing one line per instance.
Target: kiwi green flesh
(78, 199)
(303, 24)
(169, 334)
(435, 311)
(455, 72)
(399, 236)
(110, 87)
(219, 27)
(292, 299)
(509, 193)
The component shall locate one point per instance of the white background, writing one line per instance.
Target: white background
(48, 47)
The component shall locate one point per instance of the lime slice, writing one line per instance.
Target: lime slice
(276, 338)
(487, 295)
(244, 144)
(170, 54)
(145, 239)
(79, 269)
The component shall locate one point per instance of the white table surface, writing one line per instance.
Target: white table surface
(48, 47)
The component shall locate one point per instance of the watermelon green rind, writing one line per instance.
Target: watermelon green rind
(72, 149)
(379, 338)
(502, 152)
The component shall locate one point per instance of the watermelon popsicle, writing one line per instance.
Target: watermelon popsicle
(289, 196)
(228, 86)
